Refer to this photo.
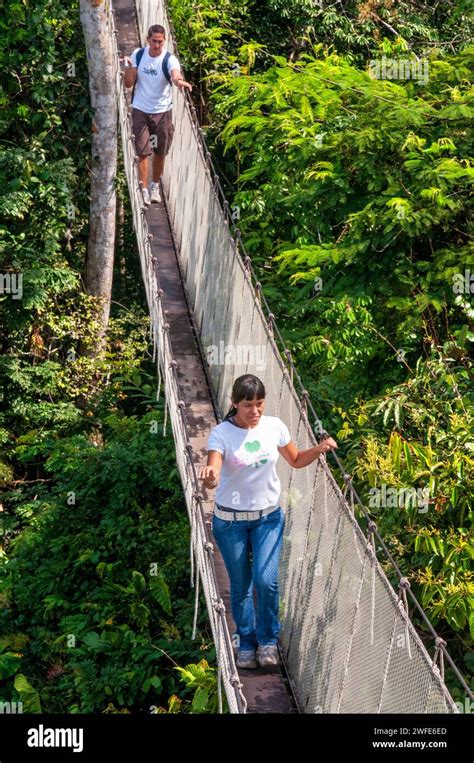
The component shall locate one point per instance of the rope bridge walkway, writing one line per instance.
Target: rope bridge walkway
(347, 642)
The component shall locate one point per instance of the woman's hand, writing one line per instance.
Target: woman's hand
(327, 445)
(210, 476)
(300, 458)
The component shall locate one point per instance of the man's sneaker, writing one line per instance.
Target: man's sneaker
(267, 655)
(146, 196)
(155, 195)
(246, 658)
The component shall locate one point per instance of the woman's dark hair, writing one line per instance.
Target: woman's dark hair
(245, 387)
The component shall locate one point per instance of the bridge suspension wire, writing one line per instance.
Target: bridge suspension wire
(348, 642)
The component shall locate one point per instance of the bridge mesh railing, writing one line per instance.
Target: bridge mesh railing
(348, 643)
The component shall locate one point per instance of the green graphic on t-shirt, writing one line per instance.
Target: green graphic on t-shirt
(251, 446)
(255, 446)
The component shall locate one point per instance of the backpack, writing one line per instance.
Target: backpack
(164, 66)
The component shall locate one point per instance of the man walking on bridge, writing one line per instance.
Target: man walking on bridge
(151, 71)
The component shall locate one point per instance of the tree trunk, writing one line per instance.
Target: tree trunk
(100, 249)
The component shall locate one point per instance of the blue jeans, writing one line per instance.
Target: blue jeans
(263, 537)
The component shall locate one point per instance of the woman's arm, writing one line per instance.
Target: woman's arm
(210, 474)
(299, 458)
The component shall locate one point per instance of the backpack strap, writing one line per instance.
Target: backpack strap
(165, 66)
(139, 58)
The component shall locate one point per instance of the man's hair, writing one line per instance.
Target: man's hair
(156, 29)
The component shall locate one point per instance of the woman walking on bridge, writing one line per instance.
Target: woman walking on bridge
(243, 452)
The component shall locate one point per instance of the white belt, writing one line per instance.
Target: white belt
(224, 513)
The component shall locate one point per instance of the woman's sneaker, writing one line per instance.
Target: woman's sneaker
(267, 655)
(155, 195)
(146, 196)
(246, 658)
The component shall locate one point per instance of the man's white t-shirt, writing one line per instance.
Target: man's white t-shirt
(153, 92)
(248, 479)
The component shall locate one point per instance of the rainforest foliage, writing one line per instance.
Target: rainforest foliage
(341, 133)
(96, 608)
(350, 189)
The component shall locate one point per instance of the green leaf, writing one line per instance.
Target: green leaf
(140, 614)
(161, 593)
(200, 699)
(395, 444)
(28, 695)
(138, 582)
(407, 454)
(92, 639)
(9, 664)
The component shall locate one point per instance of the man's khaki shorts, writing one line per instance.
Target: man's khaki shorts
(152, 132)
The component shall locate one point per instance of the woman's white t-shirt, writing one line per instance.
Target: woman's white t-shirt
(248, 479)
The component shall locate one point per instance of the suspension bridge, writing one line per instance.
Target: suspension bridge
(347, 642)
